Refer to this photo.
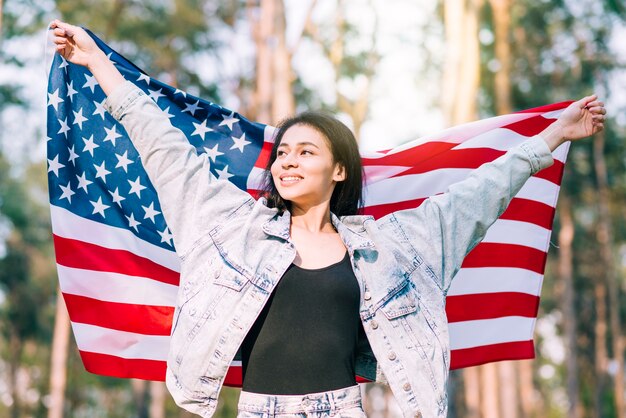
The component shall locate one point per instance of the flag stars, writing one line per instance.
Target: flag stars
(79, 118)
(112, 134)
(150, 212)
(100, 110)
(192, 108)
(54, 100)
(91, 83)
(67, 192)
(117, 198)
(70, 90)
(132, 223)
(63, 63)
(144, 77)
(166, 112)
(201, 129)
(83, 182)
(99, 207)
(240, 142)
(136, 187)
(213, 153)
(166, 236)
(54, 165)
(155, 95)
(65, 128)
(101, 171)
(224, 174)
(229, 120)
(123, 161)
(180, 92)
(90, 145)
(73, 156)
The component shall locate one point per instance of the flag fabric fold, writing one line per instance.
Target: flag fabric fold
(118, 269)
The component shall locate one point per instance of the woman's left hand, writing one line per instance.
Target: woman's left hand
(580, 119)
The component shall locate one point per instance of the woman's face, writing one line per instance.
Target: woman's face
(304, 172)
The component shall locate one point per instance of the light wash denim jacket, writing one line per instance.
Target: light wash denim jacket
(234, 250)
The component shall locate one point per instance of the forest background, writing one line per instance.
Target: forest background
(393, 71)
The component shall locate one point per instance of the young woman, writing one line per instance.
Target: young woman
(306, 290)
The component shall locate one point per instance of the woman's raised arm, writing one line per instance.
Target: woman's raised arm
(181, 177)
(446, 227)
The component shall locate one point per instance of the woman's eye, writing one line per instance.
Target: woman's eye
(306, 151)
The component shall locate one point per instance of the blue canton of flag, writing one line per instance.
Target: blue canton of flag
(94, 170)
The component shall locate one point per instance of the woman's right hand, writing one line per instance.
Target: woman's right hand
(74, 44)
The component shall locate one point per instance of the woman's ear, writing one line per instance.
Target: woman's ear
(340, 173)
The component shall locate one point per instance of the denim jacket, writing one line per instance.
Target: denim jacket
(234, 249)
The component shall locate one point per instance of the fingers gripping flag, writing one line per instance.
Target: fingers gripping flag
(117, 266)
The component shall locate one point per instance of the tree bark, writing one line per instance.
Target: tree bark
(509, 399)
(566, 295)
(605, 240)
(528, 401)
(264, 38)
(283, 103)
(502, 27)
(601, 354)
(489, 404)
(157, 400)
(58, 367)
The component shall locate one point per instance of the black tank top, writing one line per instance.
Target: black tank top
(304, 340)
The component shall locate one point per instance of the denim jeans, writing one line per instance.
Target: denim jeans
(340, 403)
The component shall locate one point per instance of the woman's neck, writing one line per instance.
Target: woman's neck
(313, 218)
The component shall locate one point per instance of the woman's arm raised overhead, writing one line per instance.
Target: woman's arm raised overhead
(180, 176)
(446, 227)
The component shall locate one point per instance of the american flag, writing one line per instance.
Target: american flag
(118, 269)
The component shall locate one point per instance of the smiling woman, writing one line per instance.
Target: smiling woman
(310, 293)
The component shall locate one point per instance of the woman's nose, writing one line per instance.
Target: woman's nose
(289, 160)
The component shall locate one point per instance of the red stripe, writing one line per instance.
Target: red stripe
(531, 126)
(547, 108)
(488, 254)
(86, 256)
(531, 211)
(463, 158)
(491, 305)
(466, 357)
(412, 156)
(108, 365)
(140, 319)
(519, 209)
(553, 174)
(264, 155)
(474, 158)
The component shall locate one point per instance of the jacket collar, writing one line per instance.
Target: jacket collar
(350, 229)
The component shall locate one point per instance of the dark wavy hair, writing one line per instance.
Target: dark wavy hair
(347, 196)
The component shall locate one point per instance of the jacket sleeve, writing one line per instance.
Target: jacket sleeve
(181, 177)
(446, 227)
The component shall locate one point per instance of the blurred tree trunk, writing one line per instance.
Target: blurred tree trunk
(605, 240)
(1, 19)
(157, 400)
(15, 345)
(489, 391)
(507, 372)
(58, 368)
(601, 355)
(527, 389)
(461, 82)
(140, 397)
(273, 98)
(566, 295)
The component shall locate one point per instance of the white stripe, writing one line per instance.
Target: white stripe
(470, 334)
(504, 140)
(495, 279)
(416, 186)
(268, 133)
(68, 225)
(255, 179)
(505, 231)
(120, 343)
(374, 173)
(114, 287)
(461, 133)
